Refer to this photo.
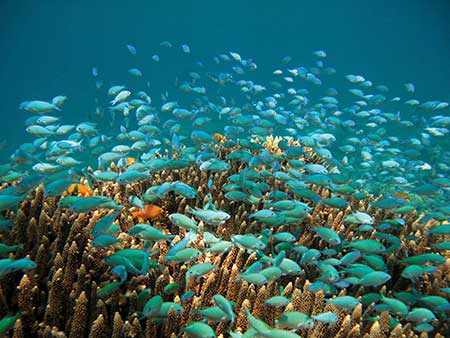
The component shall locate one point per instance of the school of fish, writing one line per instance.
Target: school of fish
(301, 173)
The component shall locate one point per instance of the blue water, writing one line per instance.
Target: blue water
(48, 48)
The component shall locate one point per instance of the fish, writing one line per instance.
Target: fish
(184, 255)
(326, 317)
(149, 232)
(153, 306)
(345, 302)
(420, 315)
(120, 97)
(199, 330)
(277, 301)
(294, 320)
(8, 265)
(131, 49)
(104, 240)
(211, 217)
(79, 188)
(85, 204)
(307, 170)
(8, 322)
(186, 49)
(374, 278)
(199, 270)
(248, 242)
(38, 107)
(131, 175)
(225, 305)
(183, 221)
(5, 248)
(328, 235)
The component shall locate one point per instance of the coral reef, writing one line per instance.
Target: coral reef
(60, 297)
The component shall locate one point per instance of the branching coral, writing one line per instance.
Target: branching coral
(61, 297)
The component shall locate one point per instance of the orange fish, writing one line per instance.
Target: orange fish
(149, 211)
(401, 195)
(218, 136)
(82, 189)
(130, 160)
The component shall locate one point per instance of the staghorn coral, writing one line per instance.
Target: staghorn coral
(60, 297)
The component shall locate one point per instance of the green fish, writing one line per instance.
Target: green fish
(421, 259)
(214, 313)
(199, 270)
(199, 330)
(369, 246)
(336, 202)
(346, 302)
(108, 289)
(294, 320)
(153, 306)
(5, 249)
(7, 323)
(225, 305)
(184, 255)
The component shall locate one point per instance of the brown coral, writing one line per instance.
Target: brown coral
(60, 298)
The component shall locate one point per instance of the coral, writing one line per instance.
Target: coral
(60, 297)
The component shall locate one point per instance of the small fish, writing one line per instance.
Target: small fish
(10, 201)
(104, 240)
(210, 217)
(130, 176)
(375, 278)
(277, 301)
(131, 49)
(248, 242)
(413, 271)
(82, 189)
(214, 313)
(336, 202)
(108, 289)
(183, 221)
(225, 305)
(5, 249)
(199, 330)
(294, 320)
(153, 306)
(367, 246)
(184, 255)
(186, 48)
(199, 270)
(264, 213)
(134, 72)
(410, 87)
(121, 272)
(171, 287)
(359, 217)
(346, 302)
(421, 259)
(38, 107)
(8, 265)
(136, 201)
(326, 317)
(254, 278)
(420, 315)
(188, 294)
(149, 232)
(328, 235)
(120, 97)
(7, 323)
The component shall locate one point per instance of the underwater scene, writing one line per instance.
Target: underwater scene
(188, 183)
